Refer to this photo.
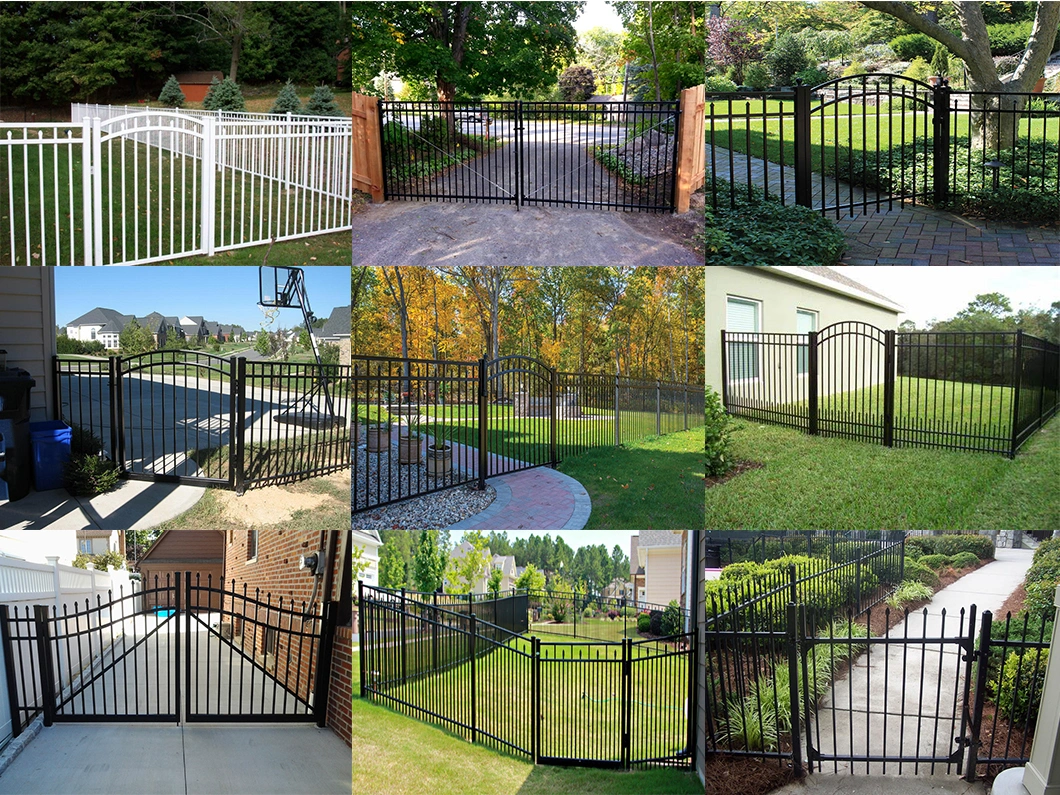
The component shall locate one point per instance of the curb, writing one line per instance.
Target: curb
(16, 746)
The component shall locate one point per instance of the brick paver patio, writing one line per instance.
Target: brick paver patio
(534, 499)
(906, 234)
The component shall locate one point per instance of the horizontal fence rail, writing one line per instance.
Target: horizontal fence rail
(617, 704)
(955, 390)
(866, 142)
(140, 185)
(424, 425)
(200, 419)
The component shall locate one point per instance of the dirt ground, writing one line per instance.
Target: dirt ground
(443, 233)
(277, 504)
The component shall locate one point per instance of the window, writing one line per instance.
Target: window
(742, 315)
(805, 322)
(92, 333)
(84, 546)
(252, 545)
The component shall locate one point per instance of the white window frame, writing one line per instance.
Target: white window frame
(799, 370)
(758, 329)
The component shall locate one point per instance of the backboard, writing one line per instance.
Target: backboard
(280, 286)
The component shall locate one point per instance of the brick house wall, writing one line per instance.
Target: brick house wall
(275, 573)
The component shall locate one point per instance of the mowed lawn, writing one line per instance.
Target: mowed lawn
(152, 210)
(405, 756)
(812, 482)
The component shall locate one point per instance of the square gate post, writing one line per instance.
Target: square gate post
(178, 606)
(658, 408)
(793, 684)
(627, 697)
(980, 656)
(724, 371)
(116, 428)
(471, 648)
(553, 388)
(89, 168)
(1017, 377)
(483, 426)
(803, 174)
(940, 154)
(10, 680)
(889, 338)
(686, 407)
(209, 163)
(328, 624)
(811, 380)
(236, 429)
(94, 209)
(618, 415)
(535, 698)
(518, 154)
(44, 660)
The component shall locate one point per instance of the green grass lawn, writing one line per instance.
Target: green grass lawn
(809, 483)
(410, 757)
(655, 483)
(587, 629)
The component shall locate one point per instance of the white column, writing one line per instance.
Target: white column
(1042, 774)
(53, 561)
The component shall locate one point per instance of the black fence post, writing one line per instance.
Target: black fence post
(9, 669)
(889, 338)
(322, 685)
(483, 425)
(236, 429)
(658, 408)
(618, 415)
(940, 155)
(116, 429)
(44, 661)
(811, 381)
(793, 582)
(627, 698)
(57, 403)
(793, 685)
(535, 697)
(362, 617)
(553, 390)
(404, 642)
(803, 173)
(981, 657)
(724, 371)
(178, 606)
(518, 154)
(434, 631)
(857, 585)
(471, 641)
(1017, 378)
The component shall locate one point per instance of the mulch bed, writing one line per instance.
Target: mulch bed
(734, 775)
(738, 469)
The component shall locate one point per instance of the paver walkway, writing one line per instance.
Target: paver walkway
(908, 698)
(897, 233)
(535, 499)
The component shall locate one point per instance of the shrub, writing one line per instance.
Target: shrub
(856, 67)
(935, 562)
(1051, 546)
(587, 612)
(1041, 581)
(655, 622)
(940, 61)
(740, 571)
(89, 475)
(612, 614)
(643, 622)
(322, 103)
(1009, 38)
(718, 444)
(81, 561)
(964, 560)
(558, 611)
(909, 592)
(172, 96)
(912, 46)
(813, 76)
(577, 84)
(673, 622)
(919, 69)
(628, 612)
(875, 55)
(1016, 205)
(84, 442)
(786, 59)
(108, 559)
(719, 83)
(953, 543)
(1022, 679)
(287, 100)
(435, 129)
(756, 76)
(916, 571)
(224, 96)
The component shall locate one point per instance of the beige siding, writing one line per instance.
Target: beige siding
(663, 575)
(779, 297)
(27, 329)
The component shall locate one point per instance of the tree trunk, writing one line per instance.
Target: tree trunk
(651, 46)
(237, 50)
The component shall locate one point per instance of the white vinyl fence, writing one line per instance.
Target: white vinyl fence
(128, 186)
(66, 589)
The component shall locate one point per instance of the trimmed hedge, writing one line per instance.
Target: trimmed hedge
(950, 544)
(915, 571)
(935, 561)
(964, 560)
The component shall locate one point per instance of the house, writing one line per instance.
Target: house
(194, 327)
(27, 331)
(279, 563)
(98, 542)
(194, 85)
(506, 565)
(337, 326)
(201, 552)
(99, 323)
(236, 333)
(636, 570)
(781, 299)
(659, 554)
(368, 542)
(619, 588)
(159, 326)
(480, 585)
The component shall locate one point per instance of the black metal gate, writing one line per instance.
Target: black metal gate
(522, 411)
(178, 651)
(177, 412)
(615, 155)
(853, 394)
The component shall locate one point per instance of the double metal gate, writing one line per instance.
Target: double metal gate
(618, 155)
(197, 418)
(181, 650)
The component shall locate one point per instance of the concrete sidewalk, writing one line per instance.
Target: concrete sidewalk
(204, 759)
(133, 505)
(879, 785)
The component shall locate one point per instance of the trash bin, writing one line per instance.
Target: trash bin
(713, 557)
(51, 451)
(15, 386)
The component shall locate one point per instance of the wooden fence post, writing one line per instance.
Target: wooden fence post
(691, 154)
(367, 147)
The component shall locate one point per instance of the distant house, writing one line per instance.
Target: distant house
(480, 585)
(368, 542)
(619, 588)
(636, 570)
(337, 326)
(98, 542)
(194, 85)
(201, 552)
(99, 324)
(194, 327)
(659, 554)
(506, 565)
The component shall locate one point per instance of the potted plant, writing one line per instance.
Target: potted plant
(410, 446)
(378, 437)
(439, 454)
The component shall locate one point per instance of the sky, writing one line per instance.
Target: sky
(225, 294)
(597, 14)
(577, 538)
(939, 293)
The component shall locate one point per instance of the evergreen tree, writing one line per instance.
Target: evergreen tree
(287, 100)
(224, 96)
(172, 96)
(322, 103)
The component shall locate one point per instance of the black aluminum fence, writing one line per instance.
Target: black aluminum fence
(868, 141)
(601, 704)
(616, 155)
(181, 649)
(742, 546)
(957, 390)
(422, 425)
(602, 618)
(192, 417)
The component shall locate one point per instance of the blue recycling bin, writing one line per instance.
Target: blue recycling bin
(51, 451)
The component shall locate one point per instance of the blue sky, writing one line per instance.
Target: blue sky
(226, 294)
(573, 538)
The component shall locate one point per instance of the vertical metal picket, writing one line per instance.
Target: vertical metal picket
(237, 425)
(178, 606)
(888, 387)
(209, 164)
(1017, 379)
(94, 208)
(811, 368)
(793, 684)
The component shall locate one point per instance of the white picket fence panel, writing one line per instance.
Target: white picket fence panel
(149, 185)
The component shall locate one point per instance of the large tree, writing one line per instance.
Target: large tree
(465, 48)
(973, 47)
(232, 23)
(668, 38)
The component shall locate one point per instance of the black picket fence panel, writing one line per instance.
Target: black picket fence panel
(615, 155)
(931, 146)
(196, 418)
(612, 619)
(739, 546)
(983, 391)
(181, 650)
(456, 423)
(600, 704)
